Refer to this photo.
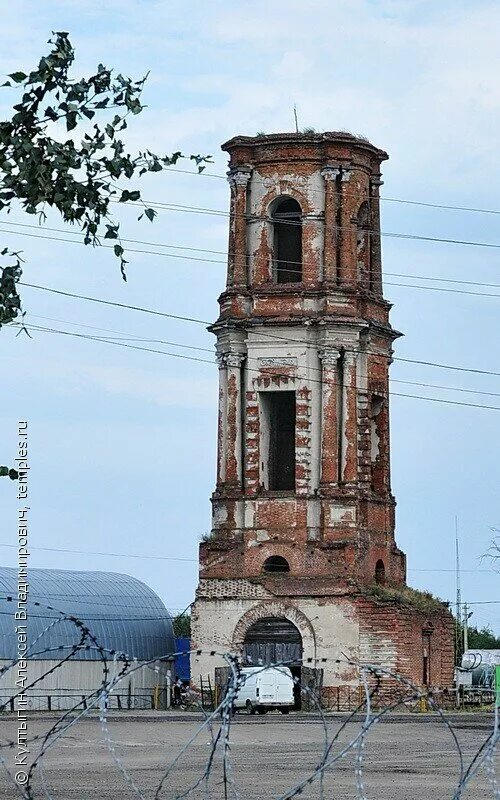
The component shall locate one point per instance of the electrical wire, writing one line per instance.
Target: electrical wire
(121, 334)
(256, 218)
(383, 198)
(105, 340)
(130, 337)
(274, 337)
(224, 262)
(250, 369)
(215, 261)
(195, 210)
(98, 553)
(175, 558)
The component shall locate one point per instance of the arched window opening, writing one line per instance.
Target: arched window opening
(380, 572)
(377, 427)
(287, 223)
(364, 244)
(276, 564)
(277, 440)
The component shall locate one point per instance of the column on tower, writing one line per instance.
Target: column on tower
(349, 416)
(347, 261)
(237, 263)
(376, 248)
(221, 423)
(233, 466)
(330, 272)
(330, 416)
(312, 254)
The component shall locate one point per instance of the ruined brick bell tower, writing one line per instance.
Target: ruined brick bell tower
(302, 557)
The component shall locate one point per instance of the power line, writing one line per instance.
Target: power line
(105, 340)
(97, 553)
(352, 194)
(218, 261)
(130, 337)
(390, 234)
(434, 569)
(226, 255)
(445, 388)
(193, 209)
(54, 614)
(250, 369)
(482, 602)
(133, 338)
(116, 304)
(198, 321)
(175, 558)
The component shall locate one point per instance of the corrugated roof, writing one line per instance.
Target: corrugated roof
(122, 613)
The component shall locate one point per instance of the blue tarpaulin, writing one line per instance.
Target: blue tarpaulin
(182, 668)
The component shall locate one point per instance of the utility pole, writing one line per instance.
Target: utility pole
(466, 628)
(459, 595)
(466, 618)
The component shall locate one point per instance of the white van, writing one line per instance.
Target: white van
(265, 688)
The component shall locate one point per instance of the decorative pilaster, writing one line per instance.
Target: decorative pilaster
(329, 417)
(237, 264)
(221, 423)
(234, 466)
(350, 419)
(330, 274)
(376, 246)
(347, 265)
(303, 441)
(312, 266)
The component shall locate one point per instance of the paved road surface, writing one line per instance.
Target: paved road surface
(403, 760)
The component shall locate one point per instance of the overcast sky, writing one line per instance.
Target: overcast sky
(123, 441)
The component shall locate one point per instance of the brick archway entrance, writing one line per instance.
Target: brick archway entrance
(276, 640)
(277, 610)
(273, 640)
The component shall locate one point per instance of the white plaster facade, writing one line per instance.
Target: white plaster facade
(330, 633)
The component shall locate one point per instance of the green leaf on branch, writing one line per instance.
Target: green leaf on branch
(18, 77)
(51, 114)
(5, 472)
(112, 232)
(79, 177)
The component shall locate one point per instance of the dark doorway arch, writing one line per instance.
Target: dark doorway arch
(273, 640)
(380, 572)
(287, 219)
(276, 564)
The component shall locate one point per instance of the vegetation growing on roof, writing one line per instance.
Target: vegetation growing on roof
(208, 536)
(406, 595)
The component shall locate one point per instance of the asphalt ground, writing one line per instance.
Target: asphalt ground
(405, 757)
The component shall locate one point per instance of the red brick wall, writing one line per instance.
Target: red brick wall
(403, 625)
(334, 532)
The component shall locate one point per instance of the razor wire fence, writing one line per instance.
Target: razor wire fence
(381, 692)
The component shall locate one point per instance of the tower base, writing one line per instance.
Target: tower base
(405, 633)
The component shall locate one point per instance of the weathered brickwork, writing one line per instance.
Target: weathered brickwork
(314, 324)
